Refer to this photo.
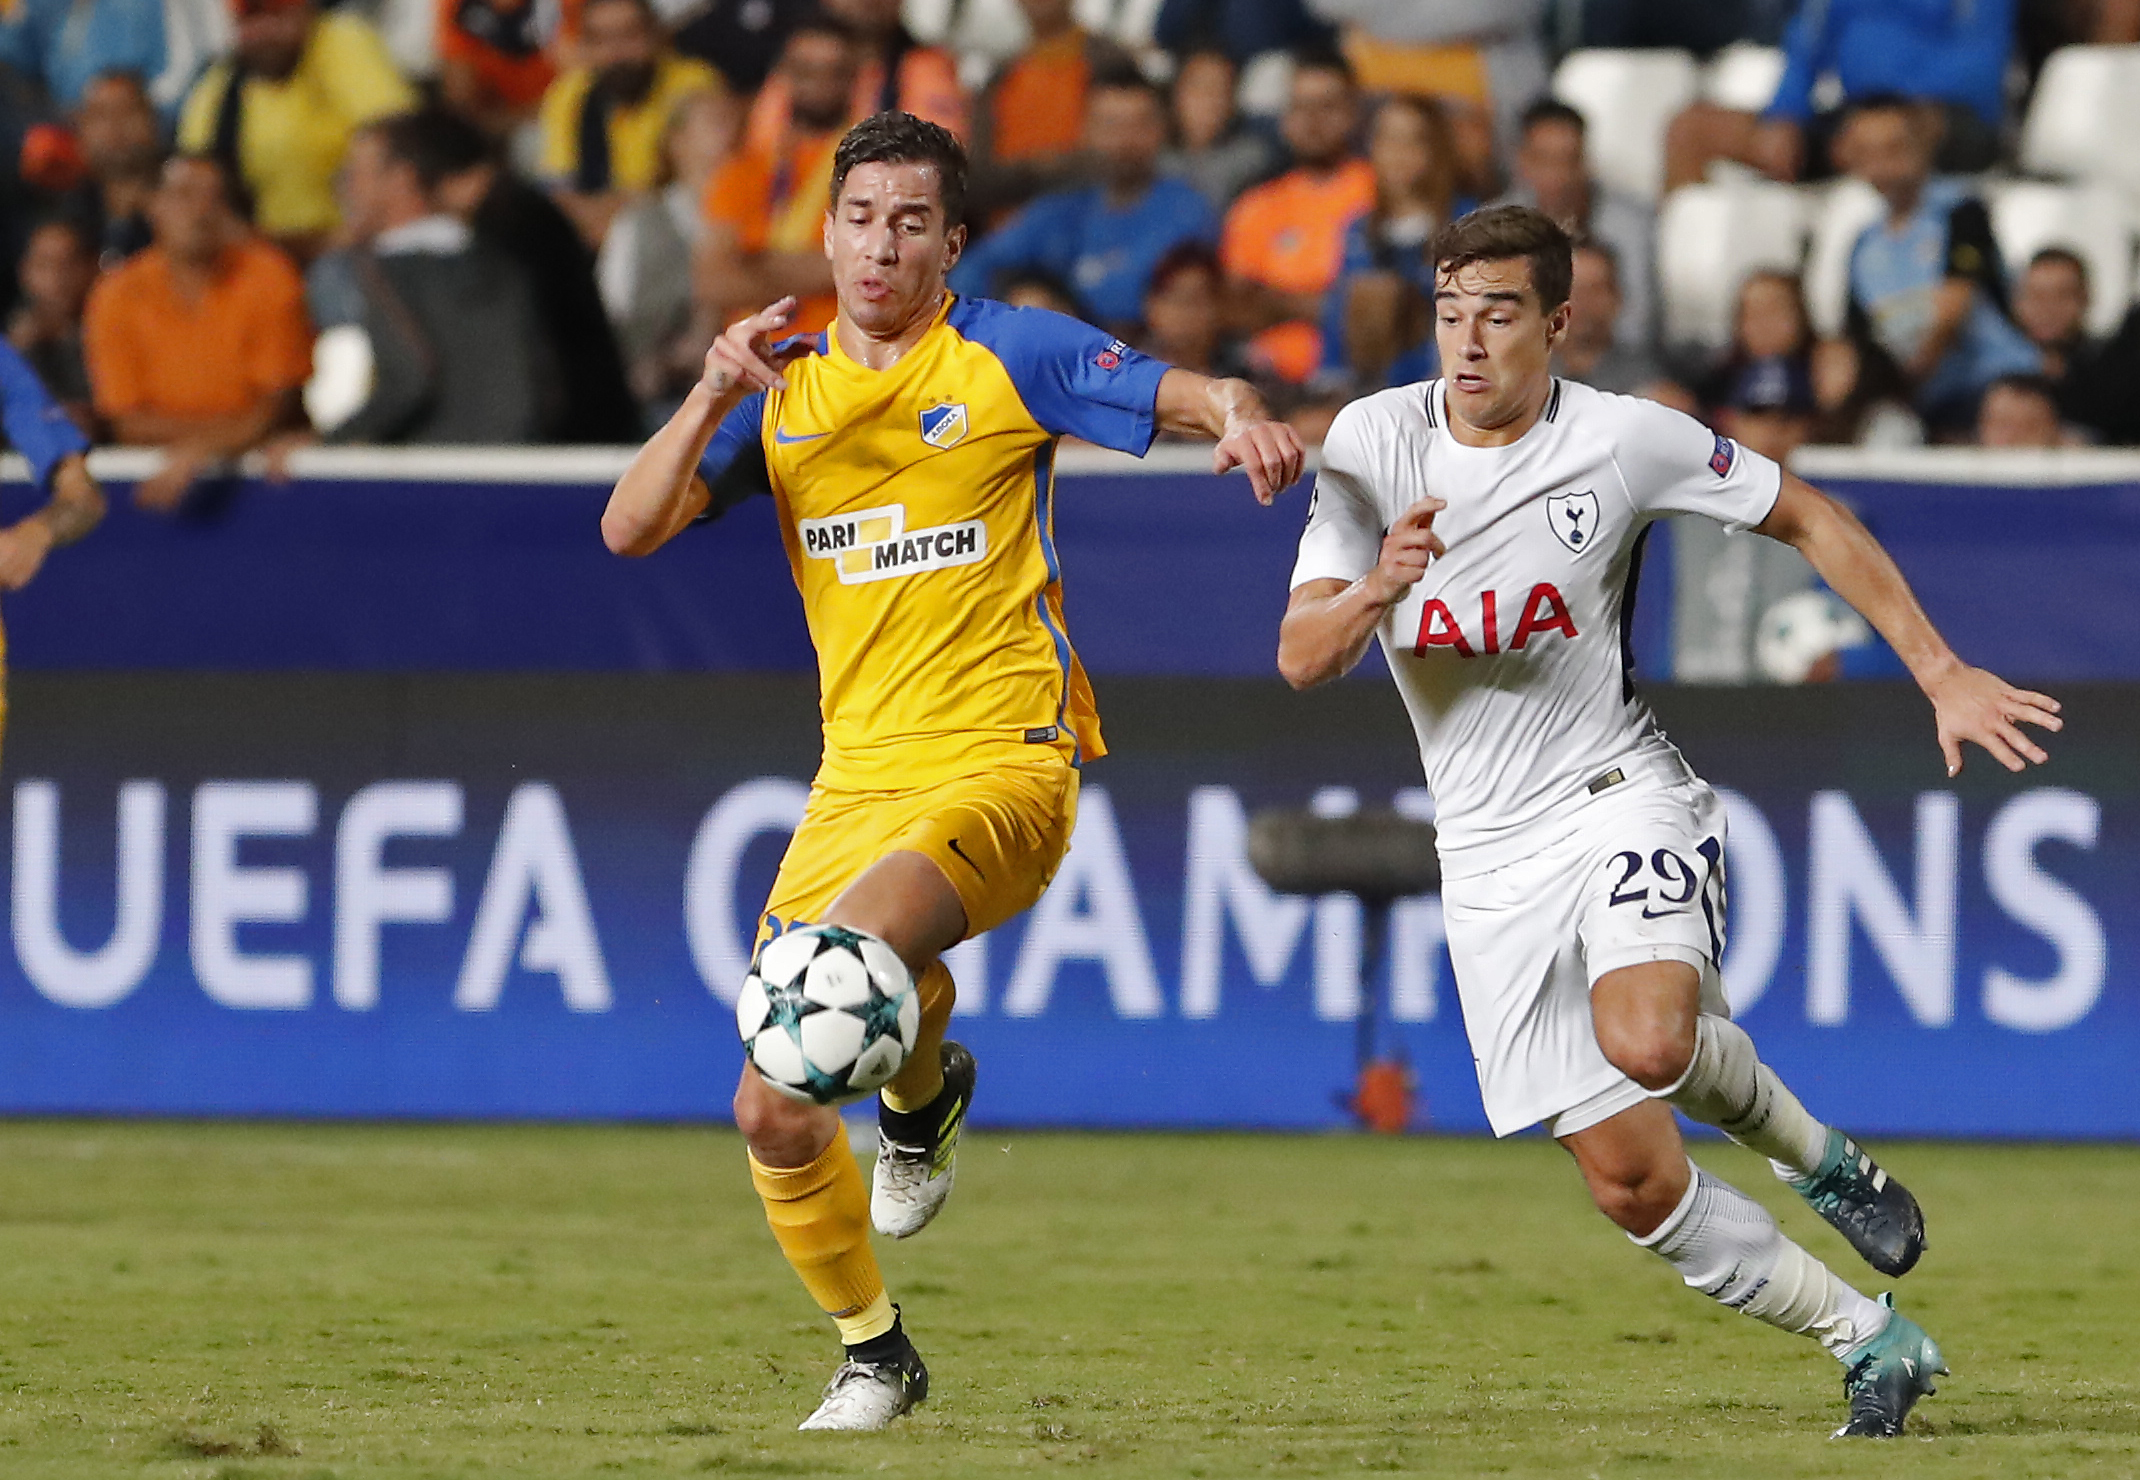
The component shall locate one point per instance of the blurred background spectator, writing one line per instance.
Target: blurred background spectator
(198, 344)
(1553, 176)
(65, 44)
(765, 206)
(495, 58)
(1484, 59)
(444, 325)
(1926, 287)
(602, 121)
(1105, 238)
(1285, 240)
(1952, 55)
(2020, 411)
(1378, 317)
(122, 150)
(1034, 287)
(57, 270)
(280, 111)
(2051, 302)
(892, 70)
(1185, 314)
(740, 37)
(1590, 351)
(1030, 118)
(645, 265)
(1214, 148)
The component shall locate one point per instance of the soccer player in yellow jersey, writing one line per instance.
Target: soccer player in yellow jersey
(910, 449)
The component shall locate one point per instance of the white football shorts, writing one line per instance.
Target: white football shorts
(1641, 879)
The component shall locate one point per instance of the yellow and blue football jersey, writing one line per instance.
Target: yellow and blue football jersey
(916, 506)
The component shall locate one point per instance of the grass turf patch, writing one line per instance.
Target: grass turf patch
(305, 1302)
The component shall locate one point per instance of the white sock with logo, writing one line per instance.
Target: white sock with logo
(1726, 1085)
(1726, 1245)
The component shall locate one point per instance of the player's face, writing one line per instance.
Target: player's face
(890, 246)
(1496, 340)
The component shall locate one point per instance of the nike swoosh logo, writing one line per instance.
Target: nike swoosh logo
(783, 436)
(965, 860)
(1650, 914)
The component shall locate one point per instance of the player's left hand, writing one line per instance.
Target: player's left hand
(23, 548)
(1970, 704)
(1270, 452)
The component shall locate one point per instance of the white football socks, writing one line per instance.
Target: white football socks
(1726, 1245)
(1726, 1085)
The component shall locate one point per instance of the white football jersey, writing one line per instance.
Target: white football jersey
(1513, 654)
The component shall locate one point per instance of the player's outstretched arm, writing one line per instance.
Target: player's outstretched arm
(1328, 623)
(661, 490)
(76, 507)
(1968, 703)
(1232, 414)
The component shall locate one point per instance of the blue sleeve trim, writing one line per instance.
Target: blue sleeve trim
(733, 464)
(1075, 380)
(37, 426)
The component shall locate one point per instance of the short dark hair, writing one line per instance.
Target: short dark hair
(900, 138)
(814, 21)
(2066, 255)
(435, 142)
(1126, 77)
(1883, 102)
(237, 195)
(1188, 256)
(1553, 110)
(1325, 59)
(1497, 233)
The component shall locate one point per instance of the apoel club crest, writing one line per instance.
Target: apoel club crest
(1574, 518)
(944, 424)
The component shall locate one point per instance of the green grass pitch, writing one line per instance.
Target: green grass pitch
(278, 1301)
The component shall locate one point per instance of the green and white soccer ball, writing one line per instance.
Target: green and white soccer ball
(827, 1014)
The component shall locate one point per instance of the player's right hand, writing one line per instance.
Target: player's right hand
(1407, 549)
(744, 354)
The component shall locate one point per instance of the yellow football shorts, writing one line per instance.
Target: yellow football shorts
(998, 835)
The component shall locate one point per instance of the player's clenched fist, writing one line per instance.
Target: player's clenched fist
(744, 354)
(1406, 551)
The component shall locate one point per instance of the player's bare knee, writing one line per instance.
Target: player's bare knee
(780, 1132)
(1636, 1198)
(1654, 1055)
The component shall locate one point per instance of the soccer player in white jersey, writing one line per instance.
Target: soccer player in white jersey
(1487, 527)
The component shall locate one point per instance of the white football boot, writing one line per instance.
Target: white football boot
(917, 1152)
(864, 1397)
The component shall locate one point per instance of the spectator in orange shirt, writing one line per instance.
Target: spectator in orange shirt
(495, 57)
(197, 345)
(1285, 240)
(765, 207)
(1029, 124)
(894, 71)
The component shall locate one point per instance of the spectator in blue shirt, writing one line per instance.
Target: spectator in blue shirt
(1926, 288)
(66, 43)
(1102, 239)
(39, 428)
(1952, 53)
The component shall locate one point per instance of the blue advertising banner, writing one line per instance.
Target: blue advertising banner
(521, 896)
(416, 563)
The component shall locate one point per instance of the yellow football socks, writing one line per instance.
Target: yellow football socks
(820, 1215)
(914, 1086)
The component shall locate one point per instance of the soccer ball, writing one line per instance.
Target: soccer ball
(827, 1014)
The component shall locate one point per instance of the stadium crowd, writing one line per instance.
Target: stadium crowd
(515, 221)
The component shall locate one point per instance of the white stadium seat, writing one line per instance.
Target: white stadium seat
(1709, 238)
(2094, 222)
(1627, 98)
(2085, 118)
(1743, 76)
(1840, 212)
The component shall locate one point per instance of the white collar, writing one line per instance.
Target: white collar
(439, 235)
